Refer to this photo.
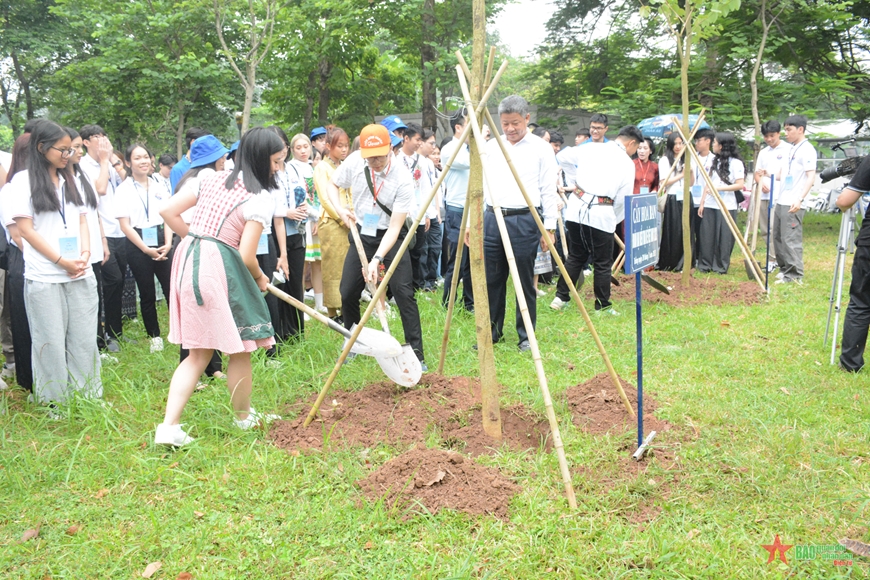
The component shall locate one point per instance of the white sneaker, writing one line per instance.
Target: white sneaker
(156, 344)
(309, 295)
(557, 303)
(365, 296)
(254, 419)
(540, 292)
(3, 385)
(172, 435)
(107, 358)
(780, 276)
(8, 371)
(587, 272)
(322, 310)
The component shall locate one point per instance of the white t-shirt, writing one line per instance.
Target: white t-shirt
(141, 205)
(603, 170)
(773, 160)
(49, 225)
(675, 188)
(5, 216)
(91, 168)
(801, 158)
(736, 170)
(93, 221)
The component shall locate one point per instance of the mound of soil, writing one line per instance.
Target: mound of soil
(597, 408)
(708, 290)
(385, 413)
(439, 479)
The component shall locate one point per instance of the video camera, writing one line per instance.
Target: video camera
(847, 167)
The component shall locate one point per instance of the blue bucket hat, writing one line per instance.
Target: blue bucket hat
(394, 140)
(392, 123)
(206, 150)
(317, 132)
(233, 148)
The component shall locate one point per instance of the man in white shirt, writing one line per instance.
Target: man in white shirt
(771, 161)
(97, 165)
(456, 188)
(533, 159)
(433, 214)
(415, 164)
(799, 175)
(605, 175)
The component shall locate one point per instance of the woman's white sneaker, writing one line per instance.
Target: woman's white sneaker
(172, 435)
(254, 419)
(156, 344)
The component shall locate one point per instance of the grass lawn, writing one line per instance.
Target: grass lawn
(769, 439)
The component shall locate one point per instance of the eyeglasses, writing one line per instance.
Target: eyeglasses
(597, 129)
(64, 153)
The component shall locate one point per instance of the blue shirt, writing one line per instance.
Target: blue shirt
(178, 171)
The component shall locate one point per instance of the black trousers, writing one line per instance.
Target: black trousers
(452, 222)
(401, 284)
(144, 269)
(113, 273)
(268, 264)
(857, 320)
(292, 320)
(419, 255)
(525, 238)
(433, 253)
(21, 342)
(585, 244)
(715, 242)
(671, 248)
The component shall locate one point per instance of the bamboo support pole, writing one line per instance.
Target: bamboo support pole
(726, 214)
(372, 286)
(381, 291)
(574, 294)
(454, 284)
(756, 216)
(521, 301)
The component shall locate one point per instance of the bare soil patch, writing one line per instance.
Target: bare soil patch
(597, 408)
(385, 413)
(704, 289)
(437, 479)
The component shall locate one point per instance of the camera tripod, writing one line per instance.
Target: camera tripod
(844, 244)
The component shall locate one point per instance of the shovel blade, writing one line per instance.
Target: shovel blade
(404, 370)
(371, 342)
(655, 283)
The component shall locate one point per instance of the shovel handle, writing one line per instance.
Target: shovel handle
(309, 311)
(373, 288)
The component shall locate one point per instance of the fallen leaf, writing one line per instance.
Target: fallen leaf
(784, 390)
(341, 468)
(102, 493)
(294, 452)
(173, 465)
(368, 546)
(144, 445)
(198, 514)
(150, 569)
(725, 323)
(226, 477)
(30, 534)
(691, 535)
(856, 396)
(72, 530)
(184, 576)
(438, 477)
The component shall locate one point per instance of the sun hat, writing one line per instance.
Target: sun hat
(374, 141)
(233, 148)
(392, 123)
(395, 140)
(317, 132)
(206, 150)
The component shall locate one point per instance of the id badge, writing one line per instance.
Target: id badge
(370, 224)
(696, 194)
(644, 190)
(149, 236)
(69, 248)
(263, 244)
(789, 182)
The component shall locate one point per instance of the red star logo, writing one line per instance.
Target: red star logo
(777, 546)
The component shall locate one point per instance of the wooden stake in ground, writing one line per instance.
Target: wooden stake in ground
(384, 283)
(524, 309)
(574, 294)
(754, 267)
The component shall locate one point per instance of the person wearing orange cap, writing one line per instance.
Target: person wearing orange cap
(382, 191)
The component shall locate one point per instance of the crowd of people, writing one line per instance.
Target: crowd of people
(212, 227)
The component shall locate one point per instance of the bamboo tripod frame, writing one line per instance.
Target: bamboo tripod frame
(382, 287)
(747, 254)
(521, 301)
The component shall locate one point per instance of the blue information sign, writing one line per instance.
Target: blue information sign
(641, 232)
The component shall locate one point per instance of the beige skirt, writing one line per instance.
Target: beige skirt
(333, 250)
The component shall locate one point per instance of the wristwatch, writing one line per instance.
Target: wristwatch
(378, 258)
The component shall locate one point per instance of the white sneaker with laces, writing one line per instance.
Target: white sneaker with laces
(156, 344)
(557, 303)
(540, 292)
(254, 419)
(365, 296)
(172, 435)
(8, 371)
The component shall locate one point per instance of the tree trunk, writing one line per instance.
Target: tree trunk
(753, 79)
(309, 102)
(485, 356)
(427, 55)
(22, 82)
(324, 69)
(685, 49)
(250, 86)
(179, 132)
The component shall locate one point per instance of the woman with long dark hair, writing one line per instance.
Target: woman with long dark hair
(60, 290)
(671, 248)
(99, 246)
(138, 201)
(217, 281)
(21, 343)
(715, 240)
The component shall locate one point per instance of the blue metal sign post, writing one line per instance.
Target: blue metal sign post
(641, 251)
